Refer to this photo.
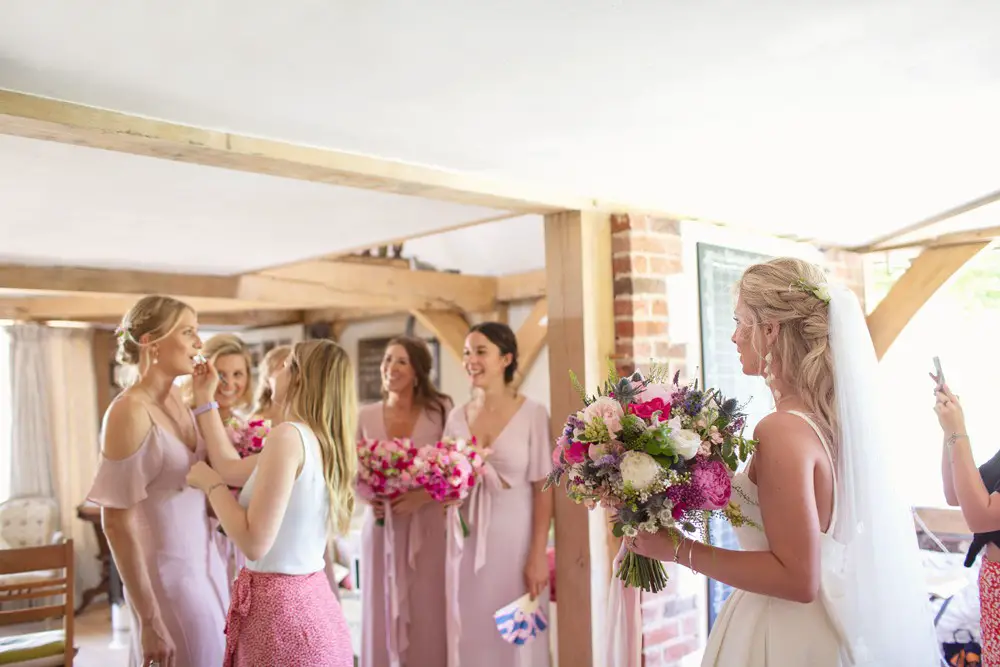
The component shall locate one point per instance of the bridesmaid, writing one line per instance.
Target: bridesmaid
(508, 513)
(231, 359)
(264, 406)
(411, 408)
(158, 529)
(299, 494)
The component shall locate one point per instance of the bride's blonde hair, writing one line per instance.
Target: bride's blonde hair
(783, 291)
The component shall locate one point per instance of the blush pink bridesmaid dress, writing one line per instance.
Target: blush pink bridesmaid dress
(415, 582)
(491, 572)
(174, 533)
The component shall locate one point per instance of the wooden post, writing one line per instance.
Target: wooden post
(581, 335)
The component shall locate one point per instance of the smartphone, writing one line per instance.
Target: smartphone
(938, 373)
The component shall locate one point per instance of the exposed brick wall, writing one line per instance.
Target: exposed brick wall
(847, 268)
(646, 251)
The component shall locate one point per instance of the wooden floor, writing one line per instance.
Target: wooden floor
(98, 645)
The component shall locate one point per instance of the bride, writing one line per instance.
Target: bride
(831, 576)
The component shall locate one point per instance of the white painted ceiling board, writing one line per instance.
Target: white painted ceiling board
(491, 249)
(68, 205)
(840, 121)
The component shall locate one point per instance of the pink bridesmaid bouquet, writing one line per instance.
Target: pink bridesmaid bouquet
(387, 469)
(450, 470)
(248, 437)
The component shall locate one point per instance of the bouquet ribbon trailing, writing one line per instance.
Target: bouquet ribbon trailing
(480, 506)
(624, 631)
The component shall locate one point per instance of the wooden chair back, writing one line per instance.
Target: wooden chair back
(34, 559)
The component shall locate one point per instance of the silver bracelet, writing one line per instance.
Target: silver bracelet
(954, 437)
(691, 558)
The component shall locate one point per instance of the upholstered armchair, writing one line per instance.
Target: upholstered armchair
(28, 522)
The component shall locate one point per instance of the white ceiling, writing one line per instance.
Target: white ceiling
(834, 120)
(62, 204)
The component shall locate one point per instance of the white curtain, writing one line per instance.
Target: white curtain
(5, 415)
(74, 431)
(55, 429)
(31, 468)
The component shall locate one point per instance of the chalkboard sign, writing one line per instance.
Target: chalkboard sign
(370, 353)
(719, 269)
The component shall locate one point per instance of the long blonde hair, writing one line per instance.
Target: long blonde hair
(269, 365)
(778, 292)
(155, 316)
(321, 394)
(224, 345)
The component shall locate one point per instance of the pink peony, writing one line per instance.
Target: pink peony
(646, 410)
(575, 453)
(711, 478)
(609, 410)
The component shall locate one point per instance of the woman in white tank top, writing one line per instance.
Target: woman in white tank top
(283, 611)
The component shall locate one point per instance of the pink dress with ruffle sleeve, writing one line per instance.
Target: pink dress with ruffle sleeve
(185, 569)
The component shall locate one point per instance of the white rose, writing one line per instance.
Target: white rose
(685, 442)
(823, 293)
(640, 470)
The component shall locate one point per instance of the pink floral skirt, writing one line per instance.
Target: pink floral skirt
(288, 620)
(989, 611)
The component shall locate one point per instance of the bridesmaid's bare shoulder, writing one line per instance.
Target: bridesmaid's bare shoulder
(127, 423)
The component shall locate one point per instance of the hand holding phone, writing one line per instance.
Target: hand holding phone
(938, 374)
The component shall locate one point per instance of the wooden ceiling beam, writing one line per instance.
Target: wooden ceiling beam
(928, 272)
(376, 287)
(973, 237)
(531, 338)
(35, 117)
(521, 286)
(111, 307)
(448, 326)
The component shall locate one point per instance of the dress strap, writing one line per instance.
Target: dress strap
(833, 465)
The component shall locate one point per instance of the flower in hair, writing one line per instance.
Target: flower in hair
(821, 292)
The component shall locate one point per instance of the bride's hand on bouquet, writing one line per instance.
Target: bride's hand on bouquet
(410, 502)
(378, 509)
(660, 546)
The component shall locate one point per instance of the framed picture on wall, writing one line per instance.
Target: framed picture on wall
(719, 269)
(262, 341)
(370, 353)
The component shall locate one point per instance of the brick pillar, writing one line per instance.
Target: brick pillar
(847, 268)
(646, 251)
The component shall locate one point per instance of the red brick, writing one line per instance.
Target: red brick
(624, 367)
(640, 264)
(624, 329)
(624, 221)
(650, 243)
(666, 265)
(621, 242)
(689, 625)
(622, 266)
(661, 635)
(678, 351)
(679, 649)
(658, 307)
(661, 349)
(649, 327)
(653, 659)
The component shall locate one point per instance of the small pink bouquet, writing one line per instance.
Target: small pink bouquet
(248, 437)
(387, 469)
(450, 469)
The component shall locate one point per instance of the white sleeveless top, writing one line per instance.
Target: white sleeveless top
(300, 544)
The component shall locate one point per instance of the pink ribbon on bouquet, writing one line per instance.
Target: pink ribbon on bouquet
(624, 630)
(480, 506)
(396, 639)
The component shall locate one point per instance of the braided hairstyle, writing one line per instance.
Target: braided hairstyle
(787, 292)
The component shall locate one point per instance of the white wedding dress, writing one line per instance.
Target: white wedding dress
(759, 631)
(872, 609)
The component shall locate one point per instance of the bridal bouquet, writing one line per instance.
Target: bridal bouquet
(387, 469)
(657, 454)
(449, 470)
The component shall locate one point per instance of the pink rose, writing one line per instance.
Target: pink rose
(609, 410)
(645, 410)
(711, 478)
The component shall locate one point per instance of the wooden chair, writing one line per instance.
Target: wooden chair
(46, 647)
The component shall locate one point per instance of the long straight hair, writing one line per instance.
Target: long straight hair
(322, 395)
